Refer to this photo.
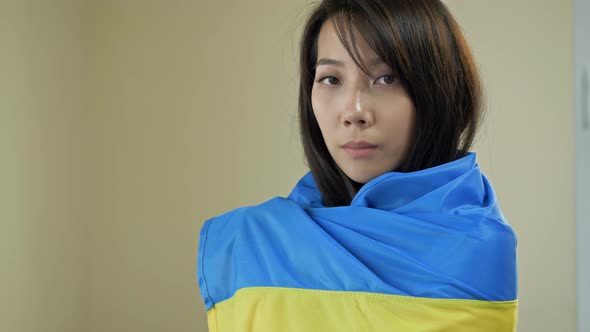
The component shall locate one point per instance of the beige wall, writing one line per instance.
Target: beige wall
(125, 124)
(42, 226)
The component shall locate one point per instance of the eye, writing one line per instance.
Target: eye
(330, 79)
(387, 79)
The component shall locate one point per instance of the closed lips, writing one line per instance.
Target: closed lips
(359, 145)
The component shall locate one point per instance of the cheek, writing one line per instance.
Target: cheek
(401, 120)
(405, 122)
(314, 101)
(320, 107)
(409, 115)
(321, 111)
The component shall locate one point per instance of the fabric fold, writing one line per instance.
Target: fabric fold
(433, 234)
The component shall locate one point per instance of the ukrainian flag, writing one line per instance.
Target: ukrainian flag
(420, 251)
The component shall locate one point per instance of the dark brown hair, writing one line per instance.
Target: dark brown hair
(424, 46)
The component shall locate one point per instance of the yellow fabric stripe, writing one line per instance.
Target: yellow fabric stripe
(212, 320)
(272, 309)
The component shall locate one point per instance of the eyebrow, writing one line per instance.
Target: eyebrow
(329, 61)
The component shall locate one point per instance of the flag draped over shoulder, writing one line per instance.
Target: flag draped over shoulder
(421, 251)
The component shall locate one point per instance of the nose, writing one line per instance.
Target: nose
(357, 111)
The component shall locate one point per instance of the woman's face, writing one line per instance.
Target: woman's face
(351, 107)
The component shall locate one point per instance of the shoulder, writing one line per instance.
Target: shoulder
(229, 242)
(232, 221)
(235, 229)
(229, 225)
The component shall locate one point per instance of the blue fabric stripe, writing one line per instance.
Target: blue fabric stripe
(436, 233)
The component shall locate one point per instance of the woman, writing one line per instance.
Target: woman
(394, 228)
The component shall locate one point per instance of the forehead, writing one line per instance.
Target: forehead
(330, 46)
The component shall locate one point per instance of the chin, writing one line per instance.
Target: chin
(362, 177)
(365, 171)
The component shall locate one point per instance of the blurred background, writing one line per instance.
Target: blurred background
(125, 124)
